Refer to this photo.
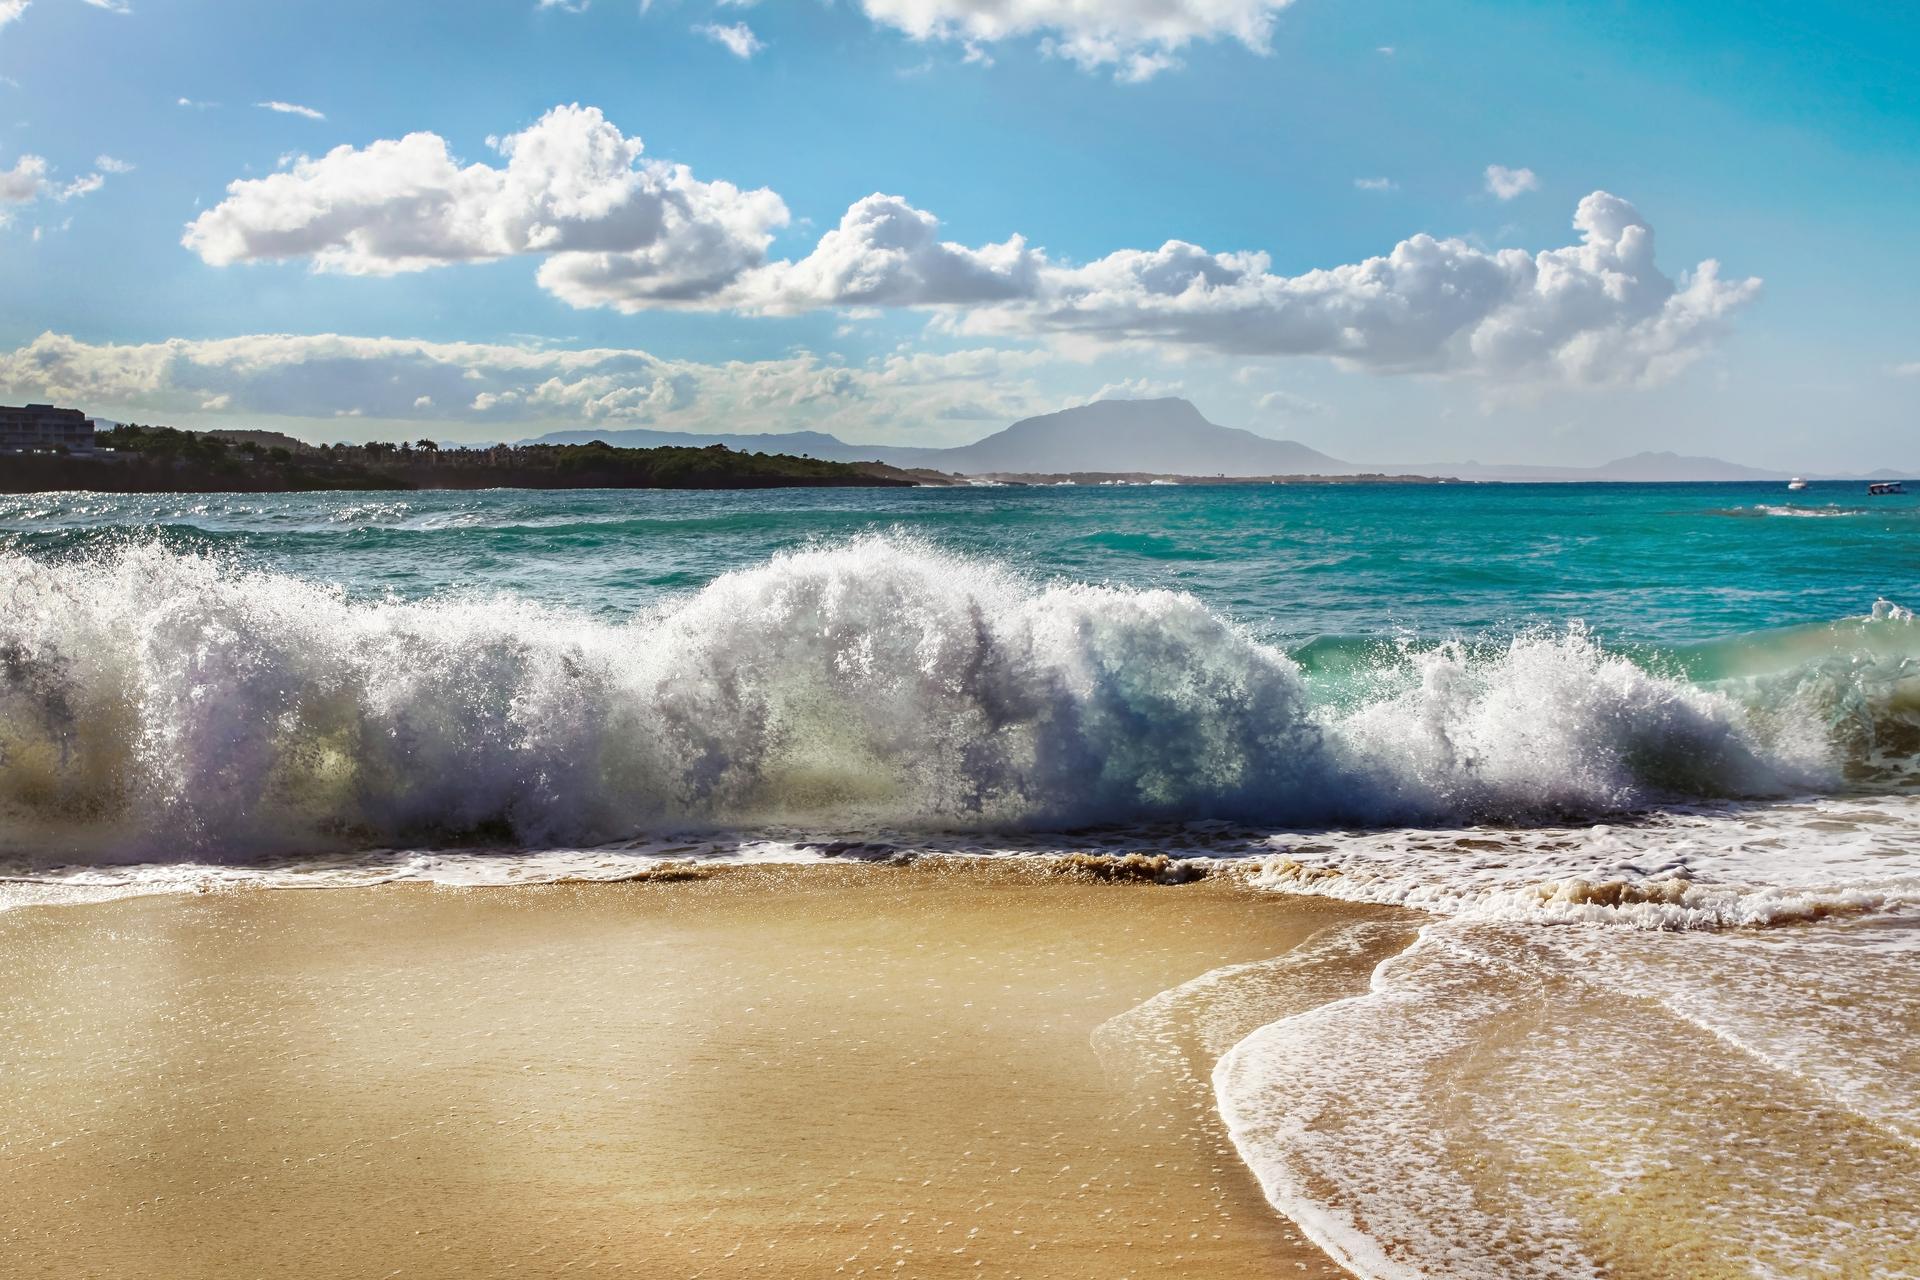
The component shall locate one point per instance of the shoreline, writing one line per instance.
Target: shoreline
(933, 1069)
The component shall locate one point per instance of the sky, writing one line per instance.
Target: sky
(1398, 232)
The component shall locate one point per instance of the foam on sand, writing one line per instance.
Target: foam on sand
(1501, 1105)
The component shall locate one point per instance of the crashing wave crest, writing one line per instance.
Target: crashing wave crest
(154, 703)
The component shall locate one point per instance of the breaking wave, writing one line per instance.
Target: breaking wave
(157, 703)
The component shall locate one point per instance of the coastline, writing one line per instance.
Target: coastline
(950, 1068)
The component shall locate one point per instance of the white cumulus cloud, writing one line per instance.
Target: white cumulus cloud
(1597, 312)
(1504, 183)
(573, 188)
(1137, 39)
(886, 253)
(25, 181)
(10, 10)
(615, 230)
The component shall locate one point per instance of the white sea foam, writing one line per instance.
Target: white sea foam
(1363, 1168)
(155, 704)
(23, 884)
(1815, 513)
(1698, 868)
(1528, 1104)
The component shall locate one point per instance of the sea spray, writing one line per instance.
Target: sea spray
(155, 703)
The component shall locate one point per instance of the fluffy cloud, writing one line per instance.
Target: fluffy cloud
(1504, 183)
(614, 230)
(572, 188)
(886, 253)
(24, 182)
(883, 253)
(1136, 38)
(1596, 312)
(329, 375)
(737, 39)
(29, 179)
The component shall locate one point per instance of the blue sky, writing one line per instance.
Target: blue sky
(390, 291)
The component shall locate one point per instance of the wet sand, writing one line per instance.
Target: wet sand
(834, 1070)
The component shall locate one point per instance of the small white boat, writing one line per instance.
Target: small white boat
(1796, 484)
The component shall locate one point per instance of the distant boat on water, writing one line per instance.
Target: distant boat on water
(1882, 488)
(1796, 484)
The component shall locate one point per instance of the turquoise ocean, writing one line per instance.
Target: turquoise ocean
(1658, 745)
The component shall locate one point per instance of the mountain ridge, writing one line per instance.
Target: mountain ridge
(1166, 436)
(1169, 436)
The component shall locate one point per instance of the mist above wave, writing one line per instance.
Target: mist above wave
(155, 703)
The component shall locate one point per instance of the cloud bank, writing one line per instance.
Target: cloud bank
(330, 375)
(612, 229)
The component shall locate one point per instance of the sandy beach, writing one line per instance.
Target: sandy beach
(939, 1069)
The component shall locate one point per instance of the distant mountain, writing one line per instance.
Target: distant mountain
(1166, 437)
(1645, 467)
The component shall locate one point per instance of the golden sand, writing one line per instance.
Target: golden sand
(799, 1071)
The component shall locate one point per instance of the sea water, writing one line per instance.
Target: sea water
(1647, 756)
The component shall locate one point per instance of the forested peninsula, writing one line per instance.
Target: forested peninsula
(149, 459)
